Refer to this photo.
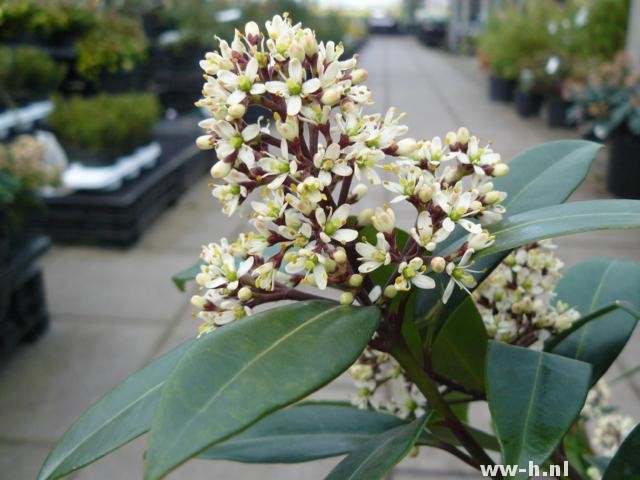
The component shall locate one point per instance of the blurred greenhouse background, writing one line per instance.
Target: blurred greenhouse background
(104, 195)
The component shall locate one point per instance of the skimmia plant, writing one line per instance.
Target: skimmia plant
(465, 305)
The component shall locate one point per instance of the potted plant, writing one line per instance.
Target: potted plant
(27, 74)
(610, 101)
(527, 100)
(405, 297)
(98, 130)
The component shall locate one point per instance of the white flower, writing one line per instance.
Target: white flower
(265, 276)
(279, 166)
(412, 273)
(311, 264)
(423, 233)
(224, 273)
(296, 228)
(609, 433)
(478, 157)
(273, 208)
(230, 310)
(243, 84)
(231, 140)
(459, 275)
(373, 257)
(332, 226)
(366, 162)
(328, 161)
(294, 89)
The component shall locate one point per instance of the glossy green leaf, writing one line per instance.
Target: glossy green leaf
(304, 432)
(409, 329)
(439, 432)
(374, 458)
(587, 287)
(534, 397)
(546, 174)
(625, 464)
(232, 378)
(560, 220)
(117, 418)
(541, 176)
(181, 279)
(460, 349)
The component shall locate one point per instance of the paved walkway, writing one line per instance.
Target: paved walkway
(112, 311)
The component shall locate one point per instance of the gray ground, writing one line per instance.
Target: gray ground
(113, 311)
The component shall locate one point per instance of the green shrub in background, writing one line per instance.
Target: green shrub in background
(105, 125)
(115, 43)
(27, 73)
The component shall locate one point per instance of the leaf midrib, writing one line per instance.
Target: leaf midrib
(534, 388)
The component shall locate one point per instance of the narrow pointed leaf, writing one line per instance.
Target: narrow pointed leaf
(438, 431)
(587, 287)
(187, 275)
(534, 397)
(459, 350)
(560, 220)
(230, 379)
(376, 457)
(625, 464)
(117, 418)
(304, 432)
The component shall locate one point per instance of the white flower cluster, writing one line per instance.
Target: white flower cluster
(383, 386)
(516, 299)
(609, 427)
(304, 160)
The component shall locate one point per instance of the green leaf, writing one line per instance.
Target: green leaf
(625, 464)
(409, 329)
(374, 458)
(589, 286)
(460, 349)
(231, 378)
(439, 431)
(559, 220)
(534, 397)
(541, 176)
(546, 174)
(181, 279)
(117, 418)
(305, 432)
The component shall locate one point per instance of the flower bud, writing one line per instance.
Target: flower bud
(340, 256)
(390, 291)
(202, 278)
(359, 75)
(220, 169)
(237, 111)
(204, 142)
(481, 241)
(494, 196)
(438, 264)
(198, 302)
(296, 51)
(289, 129)
(355, 280)
(310, 44)
(406, 146)
(476, 205)
(500, 170)
(463, 136)
(251, 29)
(331, 96)
(364, 217)
(384, 219)
(245, 294)
(329, 265)
(425, 193)
(451, 138)
(346, 298)
(359, 191)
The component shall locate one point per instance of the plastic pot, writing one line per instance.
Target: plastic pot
(624, 165)
(557, 112)
(527, 104)
(501, 89)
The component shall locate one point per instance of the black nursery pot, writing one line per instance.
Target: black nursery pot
(501, 89)
(557, 109)
(527, 104)
(624, 165)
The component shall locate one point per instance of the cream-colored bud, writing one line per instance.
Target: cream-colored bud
(493, 197)
(438, 264)
(500, 170)
(463, 135)
(198, 302)
(355, 280)
(220, 169)
(251, 28)
(296, 51)
(476, 205)
(384, 219)
(331, 96)
(390, 291)
(359, 75)
(202, 278)
(406, 146)
(359, 191)
(348, 106)
(245, 294)
(340, 256)
(289, 129)
(204, 142)
(310, 44)
(426, 193)
(330, 265)
(237, 111)
(346, 298)
(364, 217)
(450, 138)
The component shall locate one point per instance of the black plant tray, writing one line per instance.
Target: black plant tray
(23, 307)
(119, 218)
